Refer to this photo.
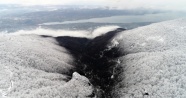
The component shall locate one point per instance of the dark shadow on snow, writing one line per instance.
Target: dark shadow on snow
(94, 60)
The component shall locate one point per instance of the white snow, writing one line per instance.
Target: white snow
(154, 67)
(32, 66)
(155, 62)
(35, 67)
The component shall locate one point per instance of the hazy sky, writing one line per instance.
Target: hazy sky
(157, 4)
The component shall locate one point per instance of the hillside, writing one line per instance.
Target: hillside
(148, 61)
(155, 62)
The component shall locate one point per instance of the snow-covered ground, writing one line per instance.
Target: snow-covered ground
(155, 64)
(36, 67)
(32, 66)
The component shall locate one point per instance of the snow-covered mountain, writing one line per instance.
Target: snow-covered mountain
(155, 64)
(148, 61)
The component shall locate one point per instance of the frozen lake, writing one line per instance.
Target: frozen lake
(128, 18)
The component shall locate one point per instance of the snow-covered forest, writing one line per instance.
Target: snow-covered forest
(151, 62)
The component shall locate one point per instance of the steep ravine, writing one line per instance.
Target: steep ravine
(95, 60)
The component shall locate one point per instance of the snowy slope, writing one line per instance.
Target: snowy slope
(155, 64)
(36, 67)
